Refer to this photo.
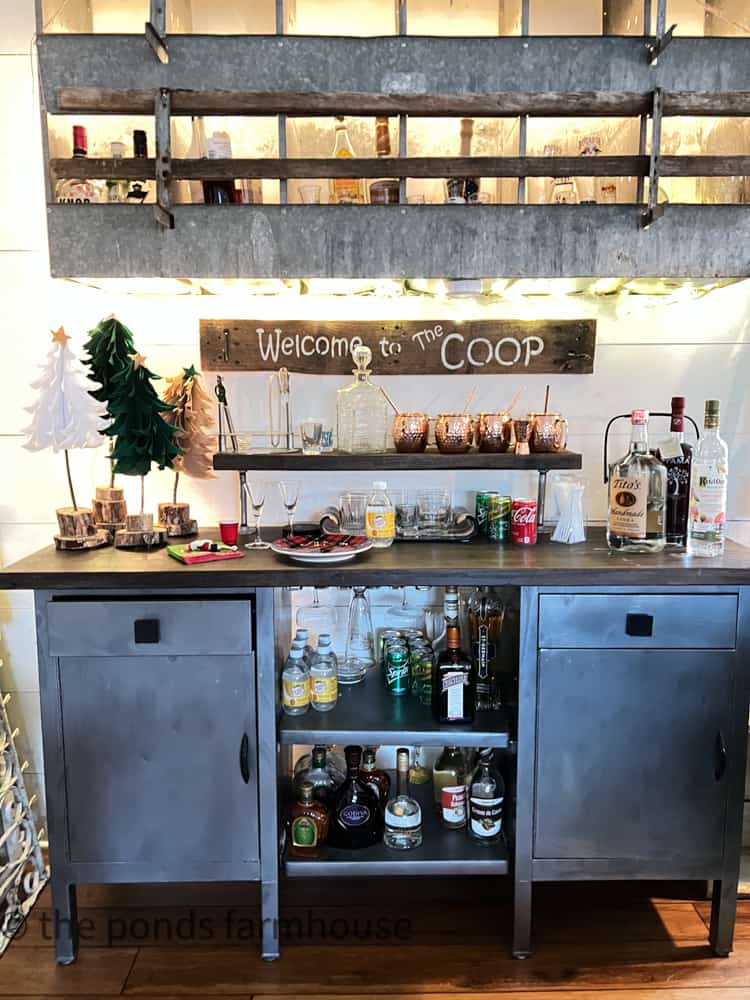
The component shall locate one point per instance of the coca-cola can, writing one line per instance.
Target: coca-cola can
(523, 522)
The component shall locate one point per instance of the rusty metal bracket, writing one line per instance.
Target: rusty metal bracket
(654, 210)
(656, 45)
(162, 114)
(156, 30)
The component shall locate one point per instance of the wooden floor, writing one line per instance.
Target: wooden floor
(418, 938)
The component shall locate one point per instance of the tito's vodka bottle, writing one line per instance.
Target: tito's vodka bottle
(637, 495)
(708, 489)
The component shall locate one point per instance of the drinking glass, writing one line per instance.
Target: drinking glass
(406, 513)
(433, 509)
(289, 490)
(326, 439)
(311, 432)
(352, 506)
(256, 494)
(359, 656)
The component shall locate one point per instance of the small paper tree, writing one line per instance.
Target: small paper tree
(142, 436)
(64, 416)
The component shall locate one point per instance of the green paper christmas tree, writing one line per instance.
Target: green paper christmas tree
(142, 436)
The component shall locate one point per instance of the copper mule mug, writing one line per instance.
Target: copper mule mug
(454, 433)
(494, 432)
(549, 432)
(410, 431)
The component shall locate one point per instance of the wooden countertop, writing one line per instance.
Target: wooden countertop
(547, 564)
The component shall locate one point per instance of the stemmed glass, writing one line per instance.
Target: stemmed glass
(289, 490)
(256, 494)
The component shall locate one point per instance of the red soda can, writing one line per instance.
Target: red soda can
(523, 522)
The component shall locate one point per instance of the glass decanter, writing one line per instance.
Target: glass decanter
(359, 655)
(362, 412)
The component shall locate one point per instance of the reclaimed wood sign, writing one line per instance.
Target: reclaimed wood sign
(409, 347)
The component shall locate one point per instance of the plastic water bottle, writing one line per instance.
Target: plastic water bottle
(380, 518)
(324, 681)
(295, 683)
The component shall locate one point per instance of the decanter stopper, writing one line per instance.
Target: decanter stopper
(362, 356)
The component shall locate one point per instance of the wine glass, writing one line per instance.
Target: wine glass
(289, 490)
(256, 494)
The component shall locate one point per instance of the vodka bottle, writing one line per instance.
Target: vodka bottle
(637, 495)
(708, 489)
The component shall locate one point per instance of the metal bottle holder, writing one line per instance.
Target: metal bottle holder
(626, 416)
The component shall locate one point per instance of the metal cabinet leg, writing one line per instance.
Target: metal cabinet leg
(723, 914)
(65, 921)
(269, 913)
(522, 920)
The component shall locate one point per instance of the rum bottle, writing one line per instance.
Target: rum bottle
(453, 685)
(307, 824)
(637, 495)
(708, 489)
(678, 459)
(486, 615)
(345, 190)
(356, 816)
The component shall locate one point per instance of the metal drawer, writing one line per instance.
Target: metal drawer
(638, 621)
(149, 627)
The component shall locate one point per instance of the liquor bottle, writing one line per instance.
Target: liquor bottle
(139, 189)
(334, 764)
(678, 458)
(637, 495)
(486, 795)
(117, 190)
(219, 147)
(453, 685)
(403, 815)
(324, 680)
(486, 614)
(370, 774)
(307, 824)
(345, 190)
(356, 816)
(449, 785)
(319, 774)
(295, 684)
(588, 145)
(386, 191)
(708, 489)
(362, 412)
(78, 190)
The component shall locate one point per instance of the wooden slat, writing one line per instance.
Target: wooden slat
(657, 992)
(33, 972)
(102, 100)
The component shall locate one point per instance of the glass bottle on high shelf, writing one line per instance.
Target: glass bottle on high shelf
(708, 489)
(362, 414)
(486, 795)
(449, 786)
(345, 190)
(370, 774)
(486, 613)
(139, 189)
(117, 190)
(219, 147)
(385, 191)
(79, 190)
(677, 456)
(460, 190)
(637, 495)
(356, 816)
(307, 824)
(197, 151)
(403, 815)
(453, 685)
(588, 145)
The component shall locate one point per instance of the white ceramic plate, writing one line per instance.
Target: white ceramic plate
(339, 555)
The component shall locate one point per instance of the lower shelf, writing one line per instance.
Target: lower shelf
(443, 852)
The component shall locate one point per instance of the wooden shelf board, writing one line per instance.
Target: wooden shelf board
(391, 460)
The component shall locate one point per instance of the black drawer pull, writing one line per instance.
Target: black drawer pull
(720, 756)
(639, 625)
(244, 761)
(146, 630)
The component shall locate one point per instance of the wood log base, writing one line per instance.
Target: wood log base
(111, 527)
(75, 543)
(177, 520)
(150, 538)
(109, 506)
(139, 522)
(75, 522)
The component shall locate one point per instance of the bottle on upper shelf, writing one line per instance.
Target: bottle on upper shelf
(677, 456)
(462, 190)
(78, 190)
(345, 190)
(637, 495)
(485, 800)
(380, 517)
(708, 489)
(403, 815)
(386, 191)
(307, 824)
(117, 190)
(486, 614)
(362, 412)
(454, 679)
(139, 190)
(356, 816)
(219, 147)
(588, 145)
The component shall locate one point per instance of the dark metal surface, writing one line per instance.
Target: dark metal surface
(411, 461)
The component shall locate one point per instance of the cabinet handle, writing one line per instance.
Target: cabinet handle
(639, 625)
(720, 756)
(146, 630)
(244, 755)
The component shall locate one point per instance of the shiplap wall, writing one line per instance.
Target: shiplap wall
(646, 352)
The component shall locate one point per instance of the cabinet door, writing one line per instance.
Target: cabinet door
(629, 754)
(152, 750)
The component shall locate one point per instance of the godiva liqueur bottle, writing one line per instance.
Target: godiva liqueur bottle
(356, 816)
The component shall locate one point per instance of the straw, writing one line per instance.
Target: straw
(390, 401)
(515, 399)
(546, 401)
(470, 400)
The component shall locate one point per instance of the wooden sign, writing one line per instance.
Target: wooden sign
(409, 347)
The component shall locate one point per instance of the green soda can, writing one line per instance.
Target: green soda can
(397, 670)
(386, 636)
(498, 518)
(482, 510)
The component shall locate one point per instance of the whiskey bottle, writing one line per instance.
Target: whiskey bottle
(307, 824)
(637, 495)
(356, 816)
(486, 614)
(677, 456)
(318, 774)
(708, 488)
(486, 795)
(449, 785)
(334, 763)
(345, 190)
(453, 685)
(370, 774)
(78, 190)
(403, 815)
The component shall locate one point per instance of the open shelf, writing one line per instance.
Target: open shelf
(392, 460)
(367, 714)
(443, 852)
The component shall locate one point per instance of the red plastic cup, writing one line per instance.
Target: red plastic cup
(229, 531)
